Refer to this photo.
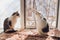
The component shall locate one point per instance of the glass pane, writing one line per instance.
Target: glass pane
(30, 21)
(7, 8)
(48, 9)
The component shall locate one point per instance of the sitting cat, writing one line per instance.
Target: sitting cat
(41, 23)
(10, 22)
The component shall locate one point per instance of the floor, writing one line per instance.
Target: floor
(25, 35)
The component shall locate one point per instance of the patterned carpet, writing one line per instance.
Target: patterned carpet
(24, 35)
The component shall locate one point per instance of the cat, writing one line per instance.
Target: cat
(41, 23)
(10, 22)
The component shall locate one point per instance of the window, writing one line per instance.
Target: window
(48, 9)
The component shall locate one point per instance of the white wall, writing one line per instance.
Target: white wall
(7, 7)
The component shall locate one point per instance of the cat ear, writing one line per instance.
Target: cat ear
(16, 11)
(13, 14)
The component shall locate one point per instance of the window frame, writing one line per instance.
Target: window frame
(23, 14)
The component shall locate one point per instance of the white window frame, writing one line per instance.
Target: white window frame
(22, 14)
(23, 21)
(58, 16)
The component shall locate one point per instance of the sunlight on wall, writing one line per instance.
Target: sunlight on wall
(7, 7)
